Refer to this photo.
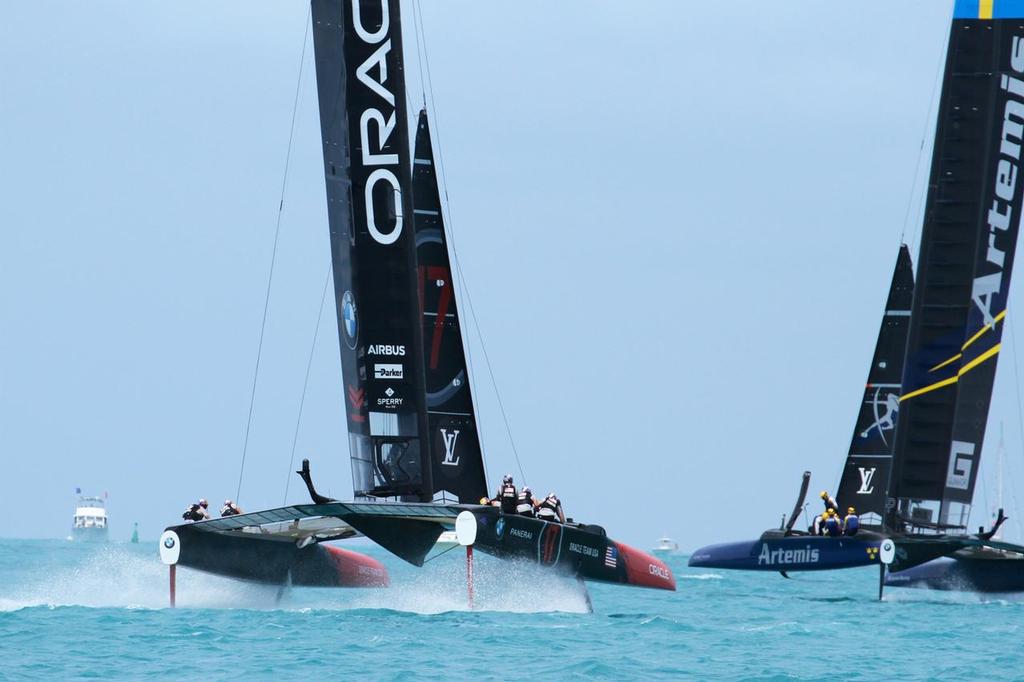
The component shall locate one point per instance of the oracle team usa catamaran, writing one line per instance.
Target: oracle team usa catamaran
(413, 440)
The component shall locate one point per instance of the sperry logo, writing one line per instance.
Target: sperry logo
(778, 557)
(375, 128)
(865, 480)
(449, 447)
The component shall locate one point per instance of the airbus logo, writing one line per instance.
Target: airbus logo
(386, 349)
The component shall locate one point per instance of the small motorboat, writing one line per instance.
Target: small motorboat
(666, 545)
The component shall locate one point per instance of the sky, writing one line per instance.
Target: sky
(677, 222)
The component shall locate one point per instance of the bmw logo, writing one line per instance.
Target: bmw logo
(499, 528)
(168, 542)
(351, 320)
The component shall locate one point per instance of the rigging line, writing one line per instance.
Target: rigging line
(1016, 376)
(924, 137)
(273, 256)
(427, 561)
(416, 10)
(305, 384)
(455, 254)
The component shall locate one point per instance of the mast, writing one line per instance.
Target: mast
(457, 462)
(869, 460)
(967, 246)
(367, 169)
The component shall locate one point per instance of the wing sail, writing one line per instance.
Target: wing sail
(868, 463)
(360, 82)
(457, 461)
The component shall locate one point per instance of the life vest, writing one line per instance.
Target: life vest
(830, 503)
(525, 506)
(228, 510)
(851, 524)
(549, 509)
(832, 526)
(193, 513)
(509, 498)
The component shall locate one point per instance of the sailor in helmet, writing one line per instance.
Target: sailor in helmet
(830, 502)
(526, 506)
(507, 497)
(230, 509)
(197, 511)
(833, 528)
(550, 509)
(851, 524)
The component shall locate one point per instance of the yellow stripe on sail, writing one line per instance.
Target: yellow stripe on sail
(952, 380)
(984, 329)
(985, 9)
(946, 362)
(980, 359)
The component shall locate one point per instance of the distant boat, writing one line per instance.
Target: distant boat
(90, 521)
(135, 534)
(666, 545)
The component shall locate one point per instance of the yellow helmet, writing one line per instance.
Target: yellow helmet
(824, 494)
(851, 510)
(484, 500)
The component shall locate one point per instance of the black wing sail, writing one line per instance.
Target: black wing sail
(869, 462)
(973, 199)
(994, 256)
(458, 468)
(360, 82)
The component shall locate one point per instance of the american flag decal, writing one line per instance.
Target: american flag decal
(611, 557)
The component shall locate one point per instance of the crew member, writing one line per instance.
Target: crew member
(830, 502)
(527, 506)
(819, 522)
(550, 509)
(851, 524)
(197, 511)
(833, 528)
(230, 509)
(507, 497)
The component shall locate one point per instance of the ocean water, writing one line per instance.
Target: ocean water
(70, 611)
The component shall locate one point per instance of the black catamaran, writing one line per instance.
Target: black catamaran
(924, 489)
(867, 465)
(413, 440)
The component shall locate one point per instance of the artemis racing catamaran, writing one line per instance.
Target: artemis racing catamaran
(413, 441)
(968, 242)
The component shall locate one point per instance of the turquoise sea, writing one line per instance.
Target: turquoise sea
(71, 611)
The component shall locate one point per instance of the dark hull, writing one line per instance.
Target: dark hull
(792, 553)
(583, 551)
(963, 574)
(277, 561)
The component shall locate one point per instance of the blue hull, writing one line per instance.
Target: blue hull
(794, 553)
(967, 575)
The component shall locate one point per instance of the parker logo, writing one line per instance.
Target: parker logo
(865, 480)
(388, 372)
(375, 125)
(386, 349)
(450, 438)
(785, 557)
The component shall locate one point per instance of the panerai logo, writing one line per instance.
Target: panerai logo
(777, 557)
(374, 126)
(1001, 211)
